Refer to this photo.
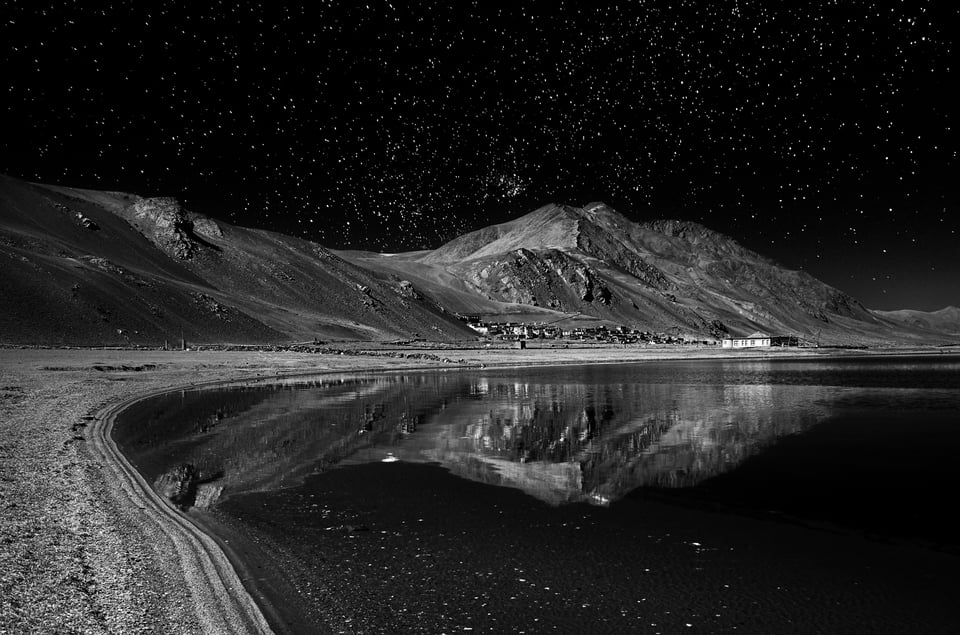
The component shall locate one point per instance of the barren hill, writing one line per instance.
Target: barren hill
(664, 275)
(86, 267)
(946, 319)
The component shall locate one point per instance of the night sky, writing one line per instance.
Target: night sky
(820, 134)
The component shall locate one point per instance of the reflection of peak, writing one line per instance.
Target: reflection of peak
(560, 446)
(553, 483)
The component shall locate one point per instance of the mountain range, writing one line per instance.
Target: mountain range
(91, 267)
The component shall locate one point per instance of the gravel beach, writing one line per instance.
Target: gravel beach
(82, 549)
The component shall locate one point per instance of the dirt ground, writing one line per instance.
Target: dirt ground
(84, 547)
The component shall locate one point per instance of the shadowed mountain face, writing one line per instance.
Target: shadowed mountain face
(658, 275)
(84, 267)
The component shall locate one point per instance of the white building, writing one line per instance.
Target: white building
(754, 340)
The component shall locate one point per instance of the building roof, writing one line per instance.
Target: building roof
(757, 336)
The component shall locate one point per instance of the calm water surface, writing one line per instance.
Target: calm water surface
(625, 498)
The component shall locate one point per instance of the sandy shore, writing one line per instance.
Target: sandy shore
(84, 544)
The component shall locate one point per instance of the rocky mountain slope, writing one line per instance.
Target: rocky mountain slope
(664, 275)
(85, 267)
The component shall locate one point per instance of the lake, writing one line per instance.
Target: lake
(700, 496)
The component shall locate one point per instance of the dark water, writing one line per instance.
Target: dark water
(626, 498)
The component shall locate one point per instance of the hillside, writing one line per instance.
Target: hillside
(946, 319)
(664, 275)
(85, 267)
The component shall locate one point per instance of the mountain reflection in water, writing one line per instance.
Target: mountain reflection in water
(561, 435)
(328, 495)
(565, 443)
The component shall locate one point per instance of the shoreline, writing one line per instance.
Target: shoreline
(222, 603)
(82, 549)
(88, 545)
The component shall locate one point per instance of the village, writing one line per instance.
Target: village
(520, 332)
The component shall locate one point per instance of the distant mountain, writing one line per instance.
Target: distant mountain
(664, 275)
(946, 319)
(87, 267)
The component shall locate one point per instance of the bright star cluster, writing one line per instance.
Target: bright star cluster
(818, 133)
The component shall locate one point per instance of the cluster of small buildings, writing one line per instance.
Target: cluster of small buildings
(514, 330)
(521, 331)
(619, 335)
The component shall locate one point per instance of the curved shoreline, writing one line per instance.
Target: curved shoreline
(82, 548)
(213, 572)
(222, 603)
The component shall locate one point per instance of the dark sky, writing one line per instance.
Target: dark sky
(820, 134)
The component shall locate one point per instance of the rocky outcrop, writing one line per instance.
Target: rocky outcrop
(84, 221)
(103, 264)
(406, 289)
(548, 278)
(206, 226)
(210, 305)
(602, 244)
(169, 226)
(179, 484)
(186, 486)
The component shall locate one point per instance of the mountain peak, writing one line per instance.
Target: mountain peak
(598, 208)
(552, 226)
(659, 273)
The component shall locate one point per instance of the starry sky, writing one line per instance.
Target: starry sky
(820, 134)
